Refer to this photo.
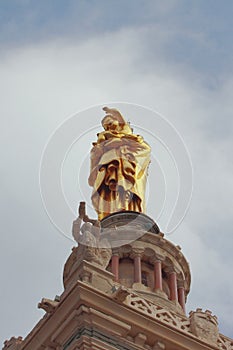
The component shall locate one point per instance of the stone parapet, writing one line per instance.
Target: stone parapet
(13, 343)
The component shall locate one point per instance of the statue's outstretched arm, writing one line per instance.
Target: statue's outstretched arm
(115, 113)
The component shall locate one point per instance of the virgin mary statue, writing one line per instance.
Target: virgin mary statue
(119, 163)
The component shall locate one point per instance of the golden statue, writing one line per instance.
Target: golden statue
(119, 163)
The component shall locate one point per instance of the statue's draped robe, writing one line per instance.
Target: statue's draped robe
(122, 161)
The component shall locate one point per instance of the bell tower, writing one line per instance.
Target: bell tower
(125, 284)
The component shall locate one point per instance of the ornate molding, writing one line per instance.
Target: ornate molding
(137, 252)
(224, 343)
(167, 317)
(48, 305)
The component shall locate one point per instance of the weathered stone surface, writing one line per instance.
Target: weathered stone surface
(13, 343)
(204, 325)
(48, 305)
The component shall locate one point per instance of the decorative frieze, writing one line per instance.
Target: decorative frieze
(157, 312)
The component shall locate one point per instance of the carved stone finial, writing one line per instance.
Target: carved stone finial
(204, 325)
(120, 294)
(13, 343)
(48, 305)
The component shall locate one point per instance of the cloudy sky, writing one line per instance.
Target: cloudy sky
(61, 57)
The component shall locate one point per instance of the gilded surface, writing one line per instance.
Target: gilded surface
(119, 162)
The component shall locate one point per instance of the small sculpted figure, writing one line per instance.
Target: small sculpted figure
(89, 232)
(48, 305)
(90, 245)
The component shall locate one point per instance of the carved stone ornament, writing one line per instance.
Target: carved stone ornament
(13, 343)
(97, 255)
(204, 325)
(159, 346)
(144, 306)
(90, 245)
(48, 305)
(121, 294)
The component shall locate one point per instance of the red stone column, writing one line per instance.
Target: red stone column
(137, 269)
(181, 297)
(115, 266)
(158, 275)
(173, 286)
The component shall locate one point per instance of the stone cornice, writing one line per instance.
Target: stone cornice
(86, 304)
